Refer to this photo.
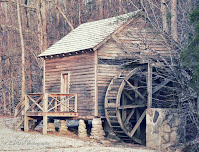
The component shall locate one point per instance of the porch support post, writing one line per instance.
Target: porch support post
(45, 117)
(25, 114)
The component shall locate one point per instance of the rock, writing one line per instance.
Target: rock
(173, 136)
(149, 129)
(166, 137)
(150, 112)
(166, 128)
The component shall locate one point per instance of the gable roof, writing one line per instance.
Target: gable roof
(87, 35)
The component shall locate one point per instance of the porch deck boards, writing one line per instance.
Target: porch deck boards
(53, 114)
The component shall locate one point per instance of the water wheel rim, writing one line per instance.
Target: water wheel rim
(118, 97)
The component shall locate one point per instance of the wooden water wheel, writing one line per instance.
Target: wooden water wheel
(127, 98)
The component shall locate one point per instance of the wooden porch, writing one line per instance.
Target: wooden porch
(40, 106)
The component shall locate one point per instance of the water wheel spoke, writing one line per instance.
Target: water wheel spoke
(135, 89)
(131, 106)
(137, 124)
(129, 116)
(128, 95)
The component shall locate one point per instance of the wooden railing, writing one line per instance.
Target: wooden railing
(45, 102)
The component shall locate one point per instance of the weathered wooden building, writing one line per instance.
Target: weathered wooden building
(92, 62)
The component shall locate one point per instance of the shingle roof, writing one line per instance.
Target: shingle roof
(87, 35)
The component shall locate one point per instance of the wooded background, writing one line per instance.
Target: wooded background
(28, 27)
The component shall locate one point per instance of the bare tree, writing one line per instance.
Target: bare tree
(23, 91)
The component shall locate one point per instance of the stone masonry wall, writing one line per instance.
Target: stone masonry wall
(164, 128)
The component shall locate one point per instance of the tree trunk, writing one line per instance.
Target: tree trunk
(3, 85)
(120, 7)
(174, 30)
(100, 9)
(22, 51)
(44, 24)
(164, 16)
(79, 11)
(30, 75)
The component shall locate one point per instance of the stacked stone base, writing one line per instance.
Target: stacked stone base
(97, 129)
(51, 125)
(63, 129)
(82, 132)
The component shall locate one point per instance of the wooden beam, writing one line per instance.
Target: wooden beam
(18, 112)
(19, 104)
(129, 116)
(44, 76)
(128, 95)
(96, 82)
(137, 119)
(19, 124)
(131, 106)
(34, 105)
(123, 110)
(35, 102)
(45, 117)
(137, 124)
(159, 86)
(26, 128)
(135, 89)
(149, 86)
(75, 102)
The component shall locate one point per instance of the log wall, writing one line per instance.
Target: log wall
(81, 79)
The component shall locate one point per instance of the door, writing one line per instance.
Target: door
(65, 90)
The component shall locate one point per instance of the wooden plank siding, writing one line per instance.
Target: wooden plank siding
(91, 73)
(133, 38)
(81, 79)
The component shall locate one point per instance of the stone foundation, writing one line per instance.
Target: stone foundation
(82, 132)
(163, 127)
(62, 126)
(51, 125)
(97, 131)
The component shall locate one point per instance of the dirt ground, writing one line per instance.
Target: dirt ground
(34, 141)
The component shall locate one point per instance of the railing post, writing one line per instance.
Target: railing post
(45, 110)
(75, 102)
(25, 114)
(56, 104)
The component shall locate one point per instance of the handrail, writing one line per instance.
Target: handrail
(54, 100)
(44, 102)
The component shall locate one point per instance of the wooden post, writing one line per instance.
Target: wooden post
(56, 104)
(96, 83)
(45, 109)
(25, 114)
(149, 86)
(75, 102)
(137, 119)
(44, 83)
